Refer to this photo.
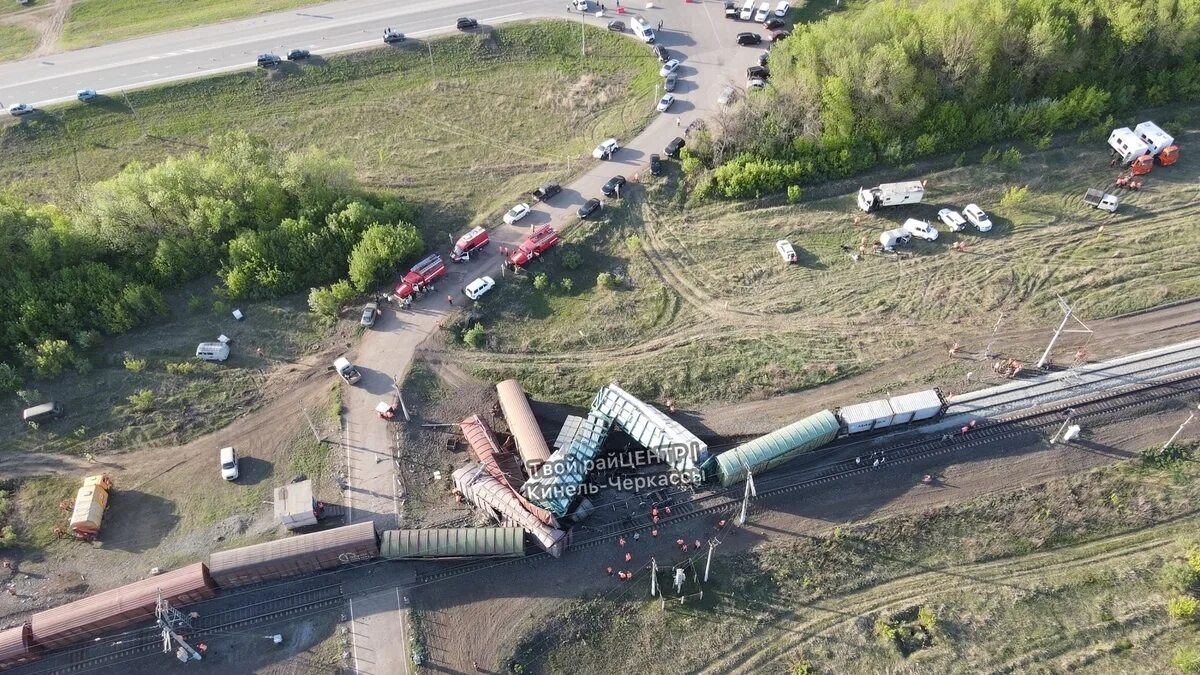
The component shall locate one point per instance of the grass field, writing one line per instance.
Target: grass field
(1065, 576)
(16, 41)
(708, 310)
(422, 133)
(93, 22)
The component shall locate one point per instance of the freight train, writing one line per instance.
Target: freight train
(113, 610)
(814, 431)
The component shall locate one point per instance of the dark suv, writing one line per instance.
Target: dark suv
(662, 53)
(466, 23)
(656, 167)
(748, 39)
(672, 149)
(267, 61)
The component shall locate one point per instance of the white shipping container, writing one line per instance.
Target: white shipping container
(862, 417)
(921, 405)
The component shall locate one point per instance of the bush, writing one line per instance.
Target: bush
(1014, 196)
(474, 336)
(380, 250)
(1011, 159)
(541, 282)
(10, 380)
(1182, 608)
(1178, 576)
(220, 307)
(134, 365)
(991, 156)
(142, 400)
(793, 194)
(8, 536)
(633, 244)
(196, 304)
(51, 357)
(182, 367)
(927, 619)
(572, 259)
(607, 281)
(1193, 558)
(1187, 660)
(328, 302)
(567, 285)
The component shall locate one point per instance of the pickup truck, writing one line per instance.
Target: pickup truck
(546, 191)
(347, 370)
(1102, 200)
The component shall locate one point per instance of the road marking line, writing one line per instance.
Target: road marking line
(353, 642)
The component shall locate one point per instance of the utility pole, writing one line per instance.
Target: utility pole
(987, 351)
(1179, 430)
(653, 577)
(1066, 420)
(750, 492)
(169, 617)
(1068, 314)
(712, 543)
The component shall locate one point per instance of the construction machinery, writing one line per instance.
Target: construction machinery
(87, 512)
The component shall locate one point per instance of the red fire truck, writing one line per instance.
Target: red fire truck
(421, 277)
(543, 239)
(477, 238)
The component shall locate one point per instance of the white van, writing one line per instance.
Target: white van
(212, 351)
(764, 10)
(229, 464)
(642, 29)
(747, 11)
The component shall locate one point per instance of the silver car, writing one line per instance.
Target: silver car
(369, 313)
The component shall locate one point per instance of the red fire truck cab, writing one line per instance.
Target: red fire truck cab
(477, 238)
(421, 276)
(543, 239)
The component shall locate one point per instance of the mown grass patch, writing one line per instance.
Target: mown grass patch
(93, 22)
(16, 42)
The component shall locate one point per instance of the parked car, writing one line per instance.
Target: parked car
(749, 39)
(731, 10)
(369, 313)
(670, 82)
(466, 23)
(764, 10)
(755, 83)
(763, 56)
(613, 186)
(669, 67)
(760, 72)
(589, 207)
(516, 213)
(977, 217)
(665, 103)
(673, 148)
(656, 165)
(952, 219)
(747, 12)
(726, 96)
(86, 94)
(267, 61)
(298, 55)
(229, 464)
(662, 53)
(616, 26)
(780, 35)
(782, 8)
(477, 288)
(774, 23)
(392, 36)
(18, 109)
(606, 149)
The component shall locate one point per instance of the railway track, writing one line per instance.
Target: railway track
(144, 641)
(786, 481)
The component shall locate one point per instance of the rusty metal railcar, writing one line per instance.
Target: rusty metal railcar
(293, 556)
(108, 611)
(16, 646)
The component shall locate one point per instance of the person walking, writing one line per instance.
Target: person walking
(450, 299)
(660, 24)
(677, 122)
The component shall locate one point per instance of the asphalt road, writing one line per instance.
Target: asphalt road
(233, 45)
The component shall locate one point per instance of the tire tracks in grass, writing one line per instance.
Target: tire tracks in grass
(837, 610)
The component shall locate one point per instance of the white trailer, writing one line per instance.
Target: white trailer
(1126, 144)
(890, 194)
(1153, 136)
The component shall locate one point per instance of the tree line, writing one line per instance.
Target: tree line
(895, 81)
(265, 223)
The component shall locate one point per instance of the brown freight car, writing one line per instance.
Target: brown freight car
(294, 556)
(111, 610)
(16, 646)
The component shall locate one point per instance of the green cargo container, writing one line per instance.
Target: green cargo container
(777, 447)
(462, 542)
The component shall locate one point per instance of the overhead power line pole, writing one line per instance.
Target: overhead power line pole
(1068, 314)
(750, 492)
(169, 617)
(1179, 430)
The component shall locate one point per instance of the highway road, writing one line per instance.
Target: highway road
(695, 32)
(233, 45)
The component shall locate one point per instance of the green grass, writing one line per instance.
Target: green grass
(93, 22)
(1057, 577)
(711, 312)
(502, 111)
(16, 42)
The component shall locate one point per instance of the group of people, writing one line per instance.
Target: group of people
(682, 544)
